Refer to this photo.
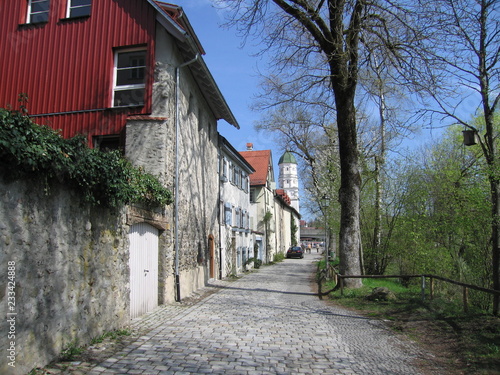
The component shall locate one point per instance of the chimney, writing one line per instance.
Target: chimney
(249, 146)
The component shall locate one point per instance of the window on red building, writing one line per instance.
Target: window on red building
(130, 78)
(79, 8)
(38, 11)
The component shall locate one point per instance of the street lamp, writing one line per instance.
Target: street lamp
(471, 137)
(325, 203)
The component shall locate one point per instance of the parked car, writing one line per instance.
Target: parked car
(295, 251)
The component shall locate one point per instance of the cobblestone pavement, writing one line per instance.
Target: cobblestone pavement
(267, 322)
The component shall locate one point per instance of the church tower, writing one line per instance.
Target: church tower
(288, 179)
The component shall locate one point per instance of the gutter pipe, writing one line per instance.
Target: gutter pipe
(176, 207)
(219, 213)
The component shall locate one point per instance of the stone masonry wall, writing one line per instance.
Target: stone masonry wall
(71, 273)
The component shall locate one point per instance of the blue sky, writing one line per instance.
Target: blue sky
(235, 72)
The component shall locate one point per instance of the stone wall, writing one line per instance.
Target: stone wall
(71, 273)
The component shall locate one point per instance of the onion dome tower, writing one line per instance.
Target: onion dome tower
(288, 179)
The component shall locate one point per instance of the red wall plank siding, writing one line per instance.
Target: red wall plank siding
(66, 65)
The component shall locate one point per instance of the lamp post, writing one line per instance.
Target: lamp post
(325, 203)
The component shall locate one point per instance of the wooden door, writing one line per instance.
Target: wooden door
(143, 263)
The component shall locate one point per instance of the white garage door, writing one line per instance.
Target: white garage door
(143, 269)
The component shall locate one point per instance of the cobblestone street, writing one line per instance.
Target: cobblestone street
(267, 322)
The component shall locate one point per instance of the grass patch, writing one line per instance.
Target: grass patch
(466, 340)
(278, 257)
(71, 351)
(111, 334)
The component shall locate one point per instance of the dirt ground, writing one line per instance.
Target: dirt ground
(447, 341)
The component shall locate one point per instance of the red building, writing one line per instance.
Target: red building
(87, 65)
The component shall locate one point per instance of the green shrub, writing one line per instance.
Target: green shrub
(256, 262)
(71, 351)
(31, 151)
(278, 257)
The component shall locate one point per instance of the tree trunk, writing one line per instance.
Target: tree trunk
(495, 233)
(377, 265)
(350, 184)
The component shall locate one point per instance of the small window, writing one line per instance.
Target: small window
(237, 214)
(237, 177)
(38, 11)
(243, 219)
(224, 169)
(130, 78)
(244, 182)
(228, 213)
(107, 142)
(253, 197)
(231, 173)
(78, 8)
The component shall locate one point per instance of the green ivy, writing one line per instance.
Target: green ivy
(28, 150)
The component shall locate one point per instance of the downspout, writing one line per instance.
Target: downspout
(266, 225)
(176, 207)
(219, 215)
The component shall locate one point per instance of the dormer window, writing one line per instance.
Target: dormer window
(78, 8)
(130, 78)
(38, 11)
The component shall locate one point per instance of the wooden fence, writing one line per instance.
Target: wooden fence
(339, 280)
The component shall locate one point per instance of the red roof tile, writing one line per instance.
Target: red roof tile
(261, 162)
(284, 196)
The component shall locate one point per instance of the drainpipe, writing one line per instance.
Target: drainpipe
(219, 215)
(176, 207)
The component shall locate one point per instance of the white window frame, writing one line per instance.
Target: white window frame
(127, 87)
(30, 14)
(71, 6)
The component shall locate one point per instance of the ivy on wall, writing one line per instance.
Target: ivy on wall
(28, 150)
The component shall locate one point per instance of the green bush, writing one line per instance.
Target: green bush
(71, 351)
(256, 262)
(28, 150)
(278, 257)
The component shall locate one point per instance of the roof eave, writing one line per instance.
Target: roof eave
(228, 147)
(190, 46)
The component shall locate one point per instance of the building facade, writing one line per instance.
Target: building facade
(129, 75)
(236, 238)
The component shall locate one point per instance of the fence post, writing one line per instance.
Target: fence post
(465, 292)
(320, 282)
(431, 279)
(423, 288)
(341, 286)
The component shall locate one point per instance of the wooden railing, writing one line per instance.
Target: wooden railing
(339, 280)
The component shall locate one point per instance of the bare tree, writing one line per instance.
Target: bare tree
(316, 47)
(466, 59)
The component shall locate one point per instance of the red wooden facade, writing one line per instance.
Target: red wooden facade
(65, 65)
